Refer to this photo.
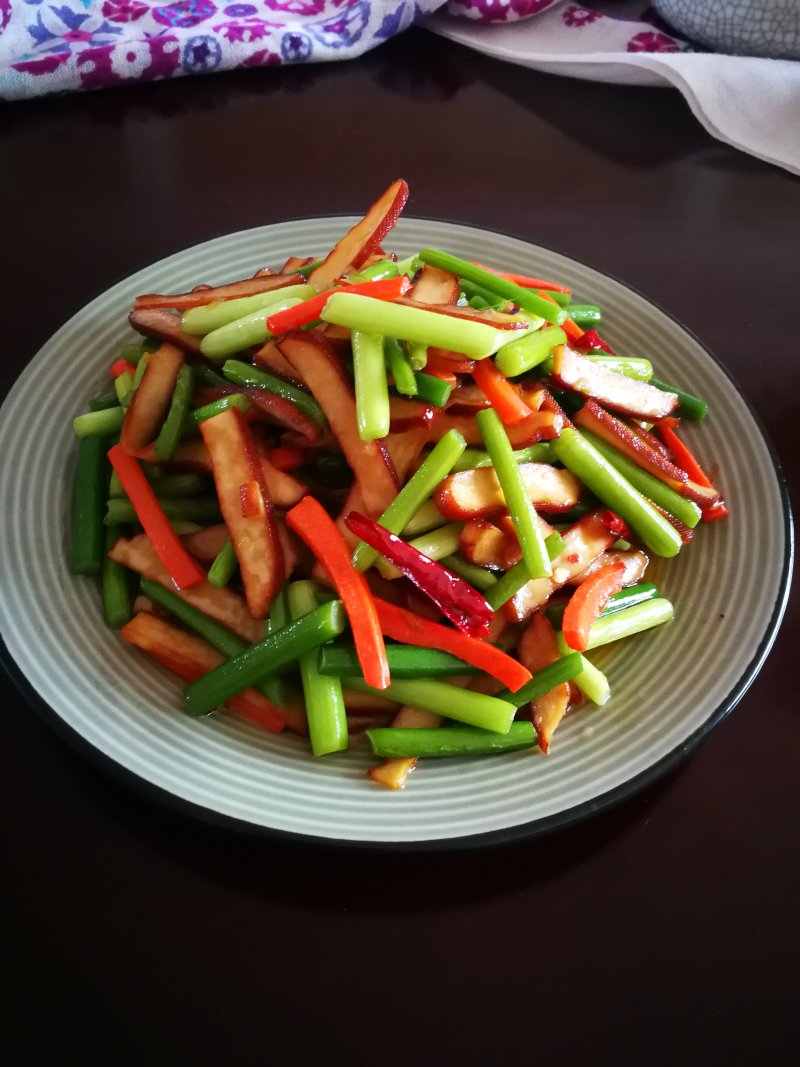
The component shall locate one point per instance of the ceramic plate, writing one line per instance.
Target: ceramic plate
(669, 686)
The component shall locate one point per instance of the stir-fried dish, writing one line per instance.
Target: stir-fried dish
(400, 499)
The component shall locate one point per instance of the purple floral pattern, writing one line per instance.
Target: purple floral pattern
(124, 10)
(244, 32)
(262, 58)
(57, 29)
(185, 13)
(297, 7)
(576, 17)
(45, 65)
(149, 60)
(61, 45)
(500, 10)
(201, 54)
(392, 23)
(342, 30)
(652, 41)
(295, 47)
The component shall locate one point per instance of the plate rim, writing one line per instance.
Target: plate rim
(530, 829)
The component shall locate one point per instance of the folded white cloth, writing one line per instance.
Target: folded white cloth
(752, 104)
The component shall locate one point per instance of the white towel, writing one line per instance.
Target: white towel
(752, 104)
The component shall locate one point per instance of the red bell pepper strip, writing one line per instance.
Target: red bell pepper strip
(457, 600)
(573, 331)
(287, 459)
(310, 310)
(412, 629)
(687, 461)
(590, 340)
(587, 602)
(181, 567)
(666, 429)
(504, 398)
(524, 280)
(122, 366)
(310, 521)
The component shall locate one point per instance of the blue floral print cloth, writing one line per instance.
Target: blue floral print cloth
(48, 47)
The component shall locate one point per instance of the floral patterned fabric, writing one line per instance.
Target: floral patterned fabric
(48, 47)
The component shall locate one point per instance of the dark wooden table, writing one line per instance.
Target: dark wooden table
(662, 932)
